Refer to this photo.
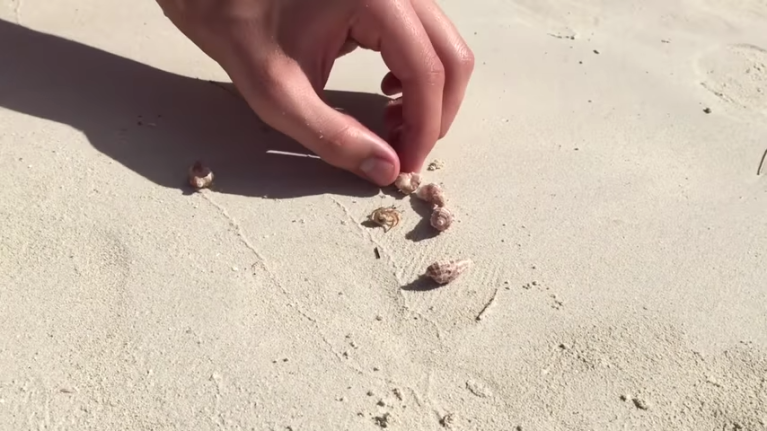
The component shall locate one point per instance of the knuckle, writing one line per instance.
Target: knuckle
(270, 79)
(466, 61)
(266, 84)
(428, 69)
(331, 142)
(337, 141)
(436, 70)
(462, 61)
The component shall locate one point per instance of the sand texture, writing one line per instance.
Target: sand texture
(603, 177)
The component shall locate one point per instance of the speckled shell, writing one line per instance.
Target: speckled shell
(432, 193)
(200, 176)
(408, 182)
(447, 271)
(441, 219)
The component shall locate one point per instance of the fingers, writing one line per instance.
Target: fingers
(409, 54)
(282, 95)
(393, 114)
(348, 47)
(455, 55)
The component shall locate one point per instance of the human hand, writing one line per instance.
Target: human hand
(279, 54)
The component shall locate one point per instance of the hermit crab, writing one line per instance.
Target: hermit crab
(386, 217)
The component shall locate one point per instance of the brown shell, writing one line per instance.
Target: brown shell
(446, 271)
(200, 176)
(432, 193)
(441, 219)
(408, 182)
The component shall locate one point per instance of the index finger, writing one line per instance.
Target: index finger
(408, 53)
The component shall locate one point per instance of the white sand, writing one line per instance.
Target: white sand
(622, 227)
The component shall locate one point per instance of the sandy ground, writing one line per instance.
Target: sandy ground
(619, 228)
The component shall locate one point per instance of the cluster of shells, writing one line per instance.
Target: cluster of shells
(442, 272)
(441, 219)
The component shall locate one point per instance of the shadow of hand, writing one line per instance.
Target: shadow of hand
(158, 123)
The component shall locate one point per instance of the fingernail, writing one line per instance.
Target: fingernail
(378, 170)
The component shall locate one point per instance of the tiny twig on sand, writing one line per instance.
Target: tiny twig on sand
(487, 306)
(761, 163)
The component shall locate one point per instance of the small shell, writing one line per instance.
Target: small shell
(446, 271)
(436, 165)
(408, 182)
(200, 176)
(441, 219)
(432, 193)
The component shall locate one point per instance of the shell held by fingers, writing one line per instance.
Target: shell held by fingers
(444, 272)
(200, 176)
(432, 193)
(386, 217)
(441, 219)
(408, 182)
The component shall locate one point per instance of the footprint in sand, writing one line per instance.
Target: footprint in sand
(737, 74)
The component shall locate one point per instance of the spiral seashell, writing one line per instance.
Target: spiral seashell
(444, 272)
(200, 176)
(441, 218)
(408, 182)
(432, 193)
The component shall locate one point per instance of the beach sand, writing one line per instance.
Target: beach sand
(602, 170)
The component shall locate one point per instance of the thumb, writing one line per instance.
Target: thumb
(287, 101)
